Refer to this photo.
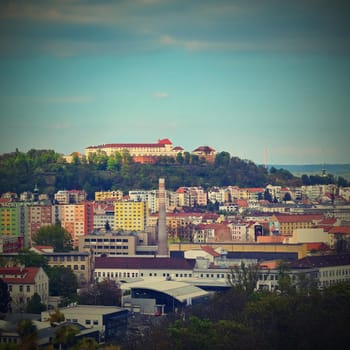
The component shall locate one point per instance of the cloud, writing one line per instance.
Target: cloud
(160, 95)
(67, 28)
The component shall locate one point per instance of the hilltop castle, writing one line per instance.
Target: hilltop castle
(148, 152)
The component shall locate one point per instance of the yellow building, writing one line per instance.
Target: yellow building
(286, 224)
(130, 216)
(103, 195)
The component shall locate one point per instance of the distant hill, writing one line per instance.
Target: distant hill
(342, 170)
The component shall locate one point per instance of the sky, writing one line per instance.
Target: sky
(265, 80)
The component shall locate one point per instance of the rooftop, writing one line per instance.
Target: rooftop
(144, 263)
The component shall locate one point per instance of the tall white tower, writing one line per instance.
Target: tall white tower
(162, 234)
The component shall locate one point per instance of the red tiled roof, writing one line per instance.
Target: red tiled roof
(144, 263)
(16, 275)
(317, 246)
(210, 250)
(345, 230)
(328, 221)
(298, 217)
(161, 143)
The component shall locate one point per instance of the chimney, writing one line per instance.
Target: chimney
(162, 234)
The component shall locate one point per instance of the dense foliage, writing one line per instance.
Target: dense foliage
(236, 320)
(20, 172)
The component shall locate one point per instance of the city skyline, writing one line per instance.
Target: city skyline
(265, 81)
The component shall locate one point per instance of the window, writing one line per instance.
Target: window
(28, 288)
(87, 321)
(21, 288)
(75, 267)
(82, 267)
(95, 322)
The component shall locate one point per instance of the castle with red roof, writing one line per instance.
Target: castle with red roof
(148, 152)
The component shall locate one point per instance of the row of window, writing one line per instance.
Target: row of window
(68, 258)
(105, 240)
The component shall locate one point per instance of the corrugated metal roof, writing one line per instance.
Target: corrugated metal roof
(180, 291)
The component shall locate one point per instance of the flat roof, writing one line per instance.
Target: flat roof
(178, 290)
(88, 309)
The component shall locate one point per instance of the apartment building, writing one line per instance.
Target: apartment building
(71, 196)
(130, 216)
(77, 219)
(103, 216)
(40, 216)
(286, 224)
(150, 197)
(23, 282)
(108, 195)
(14, 221)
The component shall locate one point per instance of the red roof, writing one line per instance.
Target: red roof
(345, 230)
(298, 217)
(17, 275)
(328, 221)
(144, 263)
(317, 246)
(161, 143)
(210, 250)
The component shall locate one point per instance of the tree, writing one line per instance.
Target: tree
(5, 298)
(56, 317)
(86, 344)
(65, 335)
(35, 306)
(31, 259)
(28, 334)
(106, 293)
(56, 236)
(244, 278)
(63, 282)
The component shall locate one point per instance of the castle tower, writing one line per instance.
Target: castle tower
(162, 234)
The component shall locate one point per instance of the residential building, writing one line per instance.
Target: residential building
(40, 216)
(69, 197)
(339, 237)
(103, 216)
(77, 219)
(150, 197)
(286, 224)
(14, 221)
(130, 216)
(107, 195)
(22, 283)
(206, 152)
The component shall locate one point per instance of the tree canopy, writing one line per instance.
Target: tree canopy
(56, 236)
(5, 298)
(48, 170)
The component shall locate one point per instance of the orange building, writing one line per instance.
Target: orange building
(78, 219)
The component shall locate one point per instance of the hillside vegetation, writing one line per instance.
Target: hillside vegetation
(48, 170)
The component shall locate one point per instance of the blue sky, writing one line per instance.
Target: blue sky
(258, 79)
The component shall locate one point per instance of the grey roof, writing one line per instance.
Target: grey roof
(178, 290)
(156, 263)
